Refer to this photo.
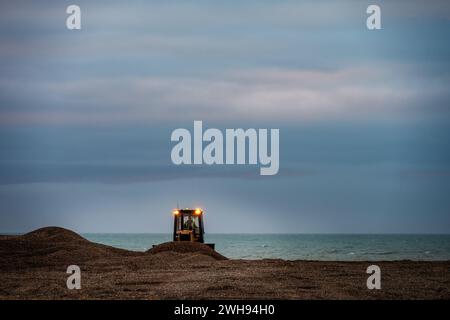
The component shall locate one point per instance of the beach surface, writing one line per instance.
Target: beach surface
(33, 266)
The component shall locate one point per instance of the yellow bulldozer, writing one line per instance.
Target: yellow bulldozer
(188, 226)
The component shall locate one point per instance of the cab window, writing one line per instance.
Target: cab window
(190, 222)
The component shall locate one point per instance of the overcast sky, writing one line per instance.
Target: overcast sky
(364, 116)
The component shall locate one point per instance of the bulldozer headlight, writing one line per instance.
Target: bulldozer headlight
(175, 212)
(198, 211)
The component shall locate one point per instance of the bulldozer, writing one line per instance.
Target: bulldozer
(188, 226)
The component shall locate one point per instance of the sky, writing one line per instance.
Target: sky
(364, 116)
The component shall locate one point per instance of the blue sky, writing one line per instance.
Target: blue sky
(86, 116)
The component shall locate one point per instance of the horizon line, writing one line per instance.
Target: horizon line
(249, 233)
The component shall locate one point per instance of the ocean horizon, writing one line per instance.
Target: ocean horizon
(322, 247)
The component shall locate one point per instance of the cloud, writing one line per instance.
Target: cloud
(261, 94)
(39, 172)
(284, 61)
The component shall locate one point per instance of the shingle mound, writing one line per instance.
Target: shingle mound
(186, 247)
(53, 246)
(53, 234)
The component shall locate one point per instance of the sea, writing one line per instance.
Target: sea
(324, 247)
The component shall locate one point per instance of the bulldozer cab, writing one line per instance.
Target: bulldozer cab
(188, 225)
